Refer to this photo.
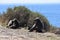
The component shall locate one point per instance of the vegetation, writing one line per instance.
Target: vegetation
(24, 15)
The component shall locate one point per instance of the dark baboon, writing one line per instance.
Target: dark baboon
(38, 25)
(13, 23)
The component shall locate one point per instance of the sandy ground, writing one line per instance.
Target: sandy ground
(22, 34)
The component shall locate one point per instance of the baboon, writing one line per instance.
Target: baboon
(38, 25)
(13, 24)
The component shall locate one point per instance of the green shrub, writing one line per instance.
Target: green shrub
(24, 15)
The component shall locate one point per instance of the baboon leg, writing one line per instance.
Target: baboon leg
(39, 30)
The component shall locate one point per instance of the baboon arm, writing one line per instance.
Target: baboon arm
(10, 23)
(33, 27)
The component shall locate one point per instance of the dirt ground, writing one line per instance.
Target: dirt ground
(22, 34)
